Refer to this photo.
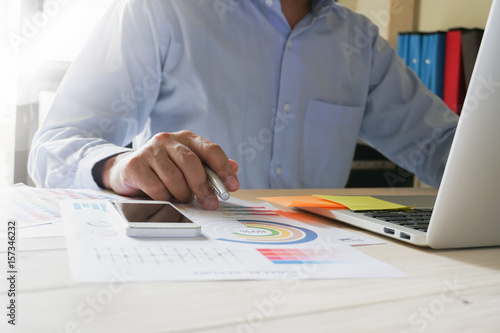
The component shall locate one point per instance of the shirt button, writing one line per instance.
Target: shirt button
(278, 170)
(287, 107)
(289, 44)
(269, 2)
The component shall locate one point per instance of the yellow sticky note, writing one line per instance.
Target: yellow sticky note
(303, 201)
(358, 202)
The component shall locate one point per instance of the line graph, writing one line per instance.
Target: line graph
(176, 256)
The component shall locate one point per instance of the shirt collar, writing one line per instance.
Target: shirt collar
(319, 7)
(323, 7)
(336, 9)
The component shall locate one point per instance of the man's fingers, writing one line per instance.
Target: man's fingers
(192, 169)
(170, 175)
(233, 184)
(171, 165)
(213, 155)
(235, 165)
(142, 177)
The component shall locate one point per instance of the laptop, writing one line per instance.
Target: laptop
(465, 212)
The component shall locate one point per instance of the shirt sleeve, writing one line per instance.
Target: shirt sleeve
(404, 120)
(105, 98)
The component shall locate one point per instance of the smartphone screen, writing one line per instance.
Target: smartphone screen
(150, 212)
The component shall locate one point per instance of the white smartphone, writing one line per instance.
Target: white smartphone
(155, 219)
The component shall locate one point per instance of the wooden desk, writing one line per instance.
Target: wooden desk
(446, 291)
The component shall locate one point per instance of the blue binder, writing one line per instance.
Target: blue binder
(403, 46)
(432, 59)
(414, 52)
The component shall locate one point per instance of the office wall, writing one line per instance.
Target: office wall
(391, 16)
(429, 15)
(444, 14)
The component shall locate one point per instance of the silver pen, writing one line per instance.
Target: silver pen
(216, 183)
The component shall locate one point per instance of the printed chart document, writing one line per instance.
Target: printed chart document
(238, 242)
(237, 209)
(37, 209)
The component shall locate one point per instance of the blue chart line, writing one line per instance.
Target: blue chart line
(93, 206)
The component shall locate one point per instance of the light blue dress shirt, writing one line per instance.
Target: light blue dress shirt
(287, 105)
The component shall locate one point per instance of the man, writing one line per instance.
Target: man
(285, 88)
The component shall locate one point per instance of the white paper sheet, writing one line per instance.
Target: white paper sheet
(244, 247)
(37, 209)
(237, 209)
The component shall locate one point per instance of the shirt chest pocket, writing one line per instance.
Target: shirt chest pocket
(329, 139)
(334, 114)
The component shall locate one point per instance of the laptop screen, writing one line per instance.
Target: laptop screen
(468, 196)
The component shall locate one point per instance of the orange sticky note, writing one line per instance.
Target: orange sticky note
(304, 201)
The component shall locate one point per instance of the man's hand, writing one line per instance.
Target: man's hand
(170, 166)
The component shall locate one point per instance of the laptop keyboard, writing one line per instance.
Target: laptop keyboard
(417, 218)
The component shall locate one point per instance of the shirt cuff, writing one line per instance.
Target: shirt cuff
(83, 177)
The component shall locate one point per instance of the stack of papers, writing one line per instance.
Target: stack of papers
(239, 241)
(37, 209)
